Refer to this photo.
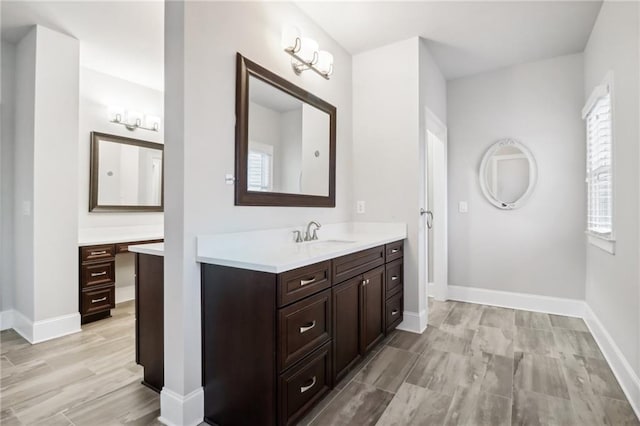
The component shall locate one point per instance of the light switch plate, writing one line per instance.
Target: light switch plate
(463, 207)
(360, 207)
(229, 179)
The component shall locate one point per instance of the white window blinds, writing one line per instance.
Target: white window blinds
(599, 165)
(259, 171)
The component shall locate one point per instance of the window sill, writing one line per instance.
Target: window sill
(602, 243)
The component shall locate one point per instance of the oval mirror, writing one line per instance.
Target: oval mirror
(507, 174)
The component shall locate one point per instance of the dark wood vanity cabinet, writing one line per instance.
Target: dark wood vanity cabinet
(274, 344)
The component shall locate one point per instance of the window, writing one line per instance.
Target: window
(597, 114)
(259, 167)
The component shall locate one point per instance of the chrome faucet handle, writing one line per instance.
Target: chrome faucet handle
(298, 236)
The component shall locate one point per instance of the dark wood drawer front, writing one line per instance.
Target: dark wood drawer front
(394, 310)
(394, 272)
(100, 299)
(124, 247)
(91, 253)
(303, 385)
(303, 327)
(394, 250)
(354, 264)
(302, 282)
(95, 274)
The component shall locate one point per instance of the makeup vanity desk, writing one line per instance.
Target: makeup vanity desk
(97, 248)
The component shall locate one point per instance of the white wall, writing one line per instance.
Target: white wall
(97, 92)
(538, 248)
(7, 110)
(612, 282)
(202, 41)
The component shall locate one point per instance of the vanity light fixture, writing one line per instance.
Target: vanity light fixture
(306, 54)
(133, 120)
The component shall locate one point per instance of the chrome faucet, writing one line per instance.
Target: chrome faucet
(308, 236)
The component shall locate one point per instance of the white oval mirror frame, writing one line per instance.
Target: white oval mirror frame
(533, 174)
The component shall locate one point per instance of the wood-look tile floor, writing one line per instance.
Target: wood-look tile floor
(481, 365)
(87, 378)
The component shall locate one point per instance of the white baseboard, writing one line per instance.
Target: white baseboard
(6, 319)
(414, 322)
(523, 301)
(623, 371)
(438, 291)
(178, 410)
(125, 293)
(41, 331)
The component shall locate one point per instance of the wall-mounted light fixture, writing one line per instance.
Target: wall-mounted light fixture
(306, 54)
(133, 120)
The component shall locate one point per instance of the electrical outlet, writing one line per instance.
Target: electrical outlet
(360, 207)
(463, 207)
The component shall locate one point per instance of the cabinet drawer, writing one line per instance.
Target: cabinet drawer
(303, 385)
(95, 274)
(354, 264)
(394, 250)
(394, 308)
(100, 299)
(394, 271)
(124, 247)
(303, 327)
(91, 253)
(302, 282)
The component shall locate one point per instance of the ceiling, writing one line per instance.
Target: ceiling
(464, 37)
(121, 38)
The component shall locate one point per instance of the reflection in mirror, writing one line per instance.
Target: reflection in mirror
(507, 174)
(288, 143)
(126, 174)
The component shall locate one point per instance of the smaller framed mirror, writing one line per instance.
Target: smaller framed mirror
(508, 174)
(126, 175)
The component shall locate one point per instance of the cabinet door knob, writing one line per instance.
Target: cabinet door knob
(393, 278)
(305, 282)
(394, 312)
(303, 389)
(394, 250)
(98, 274)
(95, 253)
(102, 299)
(306, 328)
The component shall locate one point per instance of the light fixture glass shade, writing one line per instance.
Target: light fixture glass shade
(325, 62)
(116, 113)
(152, 122)
(308, 48)
(289, 35)
(134, 118)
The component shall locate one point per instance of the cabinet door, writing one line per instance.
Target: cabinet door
(346, 326)
(372, 309)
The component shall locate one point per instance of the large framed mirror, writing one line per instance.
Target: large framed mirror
(508, 174)
(126, 175)
(285, 142)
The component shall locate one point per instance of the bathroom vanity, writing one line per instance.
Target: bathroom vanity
(282, 322)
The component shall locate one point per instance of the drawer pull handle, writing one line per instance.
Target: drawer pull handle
(305, 282)
(95, 253)
(394, 312)
(306, 328)
(102, 299)
(303, 389)
(394, 250)
(98, 274)
(393, 278)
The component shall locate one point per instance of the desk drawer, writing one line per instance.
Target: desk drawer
(302, 328)
(97, 274)
(303, 385)
(394, 250)
(124, 247)
(302, 282)
(93, 253)
(394, 271)
(354, 264)
(97, 300)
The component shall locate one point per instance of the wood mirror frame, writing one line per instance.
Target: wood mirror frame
(94, 164)
(243, 197)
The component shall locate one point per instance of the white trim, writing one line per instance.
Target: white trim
(41, 331)
(125, 293)
(413, 322)
(6, 319)
(627, 378)
(438, 291)
(598, 92)
(178, 410)
(524, 301)
(602, 243)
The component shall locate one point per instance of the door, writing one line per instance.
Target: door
(346, 326)
(373, 315)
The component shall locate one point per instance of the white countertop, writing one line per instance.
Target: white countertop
(122, 234)
(156, 249)
(275, 250)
